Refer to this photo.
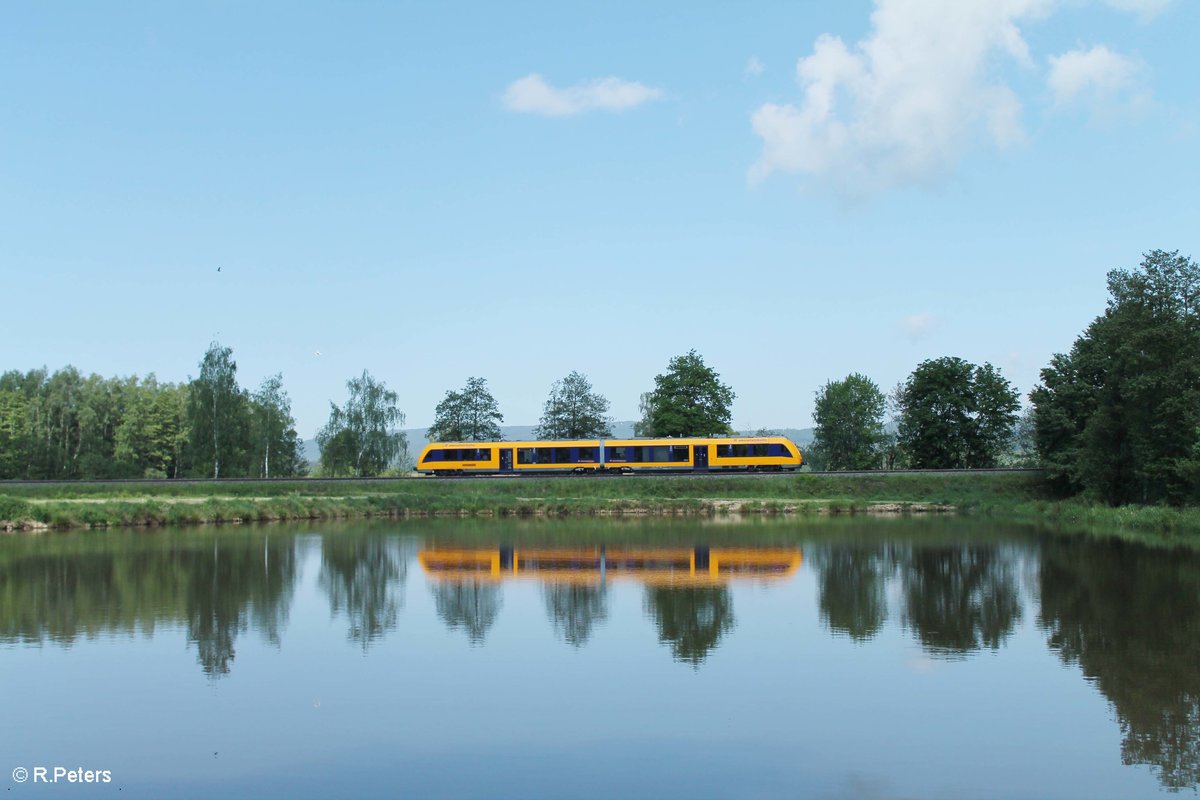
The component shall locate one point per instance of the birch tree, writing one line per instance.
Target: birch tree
(215, 411)
(362, 437)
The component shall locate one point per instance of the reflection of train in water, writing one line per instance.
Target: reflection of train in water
(611, 455)
(681, 566)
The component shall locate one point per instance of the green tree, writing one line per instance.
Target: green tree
(277, 447)
(14, 434)
(471, 415)
(67, 426)
(955, 415)
(849, 423)
(574, 411)
(688, 400)
(362, 436)
(147, 437)
(1119, 416)
(217, 415)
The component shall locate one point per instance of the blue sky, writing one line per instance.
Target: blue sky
(796, 190)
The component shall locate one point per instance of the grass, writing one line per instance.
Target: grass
(1015, 496)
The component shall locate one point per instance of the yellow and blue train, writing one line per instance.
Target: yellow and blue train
(745, 454)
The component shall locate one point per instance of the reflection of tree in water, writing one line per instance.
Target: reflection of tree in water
(364, 578)
(853, 583)
(237, 584)
(692, 621)
(470, 605)
(574, 609)
(216, 587)
(1130, 618)
(959, 599)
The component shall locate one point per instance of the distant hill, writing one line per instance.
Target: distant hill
(516, 433)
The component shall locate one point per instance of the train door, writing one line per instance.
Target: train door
(506, 459)
(700, 456)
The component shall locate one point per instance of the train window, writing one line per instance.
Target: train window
(618, 453)
(483, 454)
(679, 452)
(525, 455)
(760, 450)
(545, 455)
(587, 454)
(450, 454)
(725, 451)
(562, 455)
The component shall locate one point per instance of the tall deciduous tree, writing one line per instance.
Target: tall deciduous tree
(276, 446)
(471, 415)
(956, 415)
(1119, 416)
(574, 411)
(217, 414)
(849, 423)
(688, 400)
(362, 437)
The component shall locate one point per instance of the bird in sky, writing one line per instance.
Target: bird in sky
(218, 269)
(317, 353)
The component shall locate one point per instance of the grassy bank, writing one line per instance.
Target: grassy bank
(167, 504)
(1018, 497)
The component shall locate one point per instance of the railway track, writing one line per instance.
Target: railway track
(132, 482)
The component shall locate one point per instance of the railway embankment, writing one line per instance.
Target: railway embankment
(1018, 495)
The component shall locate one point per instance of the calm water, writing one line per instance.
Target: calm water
(826, 659)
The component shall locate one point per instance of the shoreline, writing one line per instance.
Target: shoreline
(1016, 497)
(153, 515)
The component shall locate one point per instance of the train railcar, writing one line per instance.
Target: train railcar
(745, 454)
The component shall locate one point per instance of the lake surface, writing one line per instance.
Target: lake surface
(838, 658)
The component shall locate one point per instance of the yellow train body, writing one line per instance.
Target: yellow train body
(611, 455)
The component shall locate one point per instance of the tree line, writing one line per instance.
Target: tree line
(65, 426)
(1116, 419)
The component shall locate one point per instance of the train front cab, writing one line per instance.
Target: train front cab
(751, 454)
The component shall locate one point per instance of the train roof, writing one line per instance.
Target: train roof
(613, 440)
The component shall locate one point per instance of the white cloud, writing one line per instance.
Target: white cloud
(1098, 72)
(902, 105)
(754, 67)
(917, 325)
(1147, 8)
(533, 95)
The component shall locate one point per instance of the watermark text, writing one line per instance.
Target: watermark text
(61, 775)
